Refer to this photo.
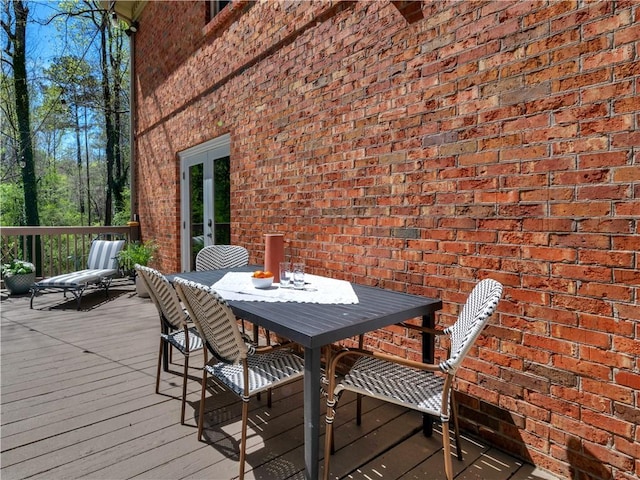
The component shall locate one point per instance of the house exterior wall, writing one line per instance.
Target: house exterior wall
(472, 140)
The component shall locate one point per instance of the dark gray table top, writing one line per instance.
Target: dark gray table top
(313, 325)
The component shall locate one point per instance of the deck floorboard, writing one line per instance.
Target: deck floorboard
(78, 401)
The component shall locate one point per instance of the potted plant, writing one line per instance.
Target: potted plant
(18, 276)
(140, 253)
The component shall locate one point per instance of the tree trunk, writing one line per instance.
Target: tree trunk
(108, 121)
(24, 124)
(79, 164)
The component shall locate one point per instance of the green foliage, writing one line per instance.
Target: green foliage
(136, 252)
(123, 216)
(67, 109)
(58, 205)
(11, 204)
(17, 267)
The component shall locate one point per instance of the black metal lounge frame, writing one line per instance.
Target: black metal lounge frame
(76, 291)
(102, 266)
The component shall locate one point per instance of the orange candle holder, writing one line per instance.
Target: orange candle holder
(273, 253)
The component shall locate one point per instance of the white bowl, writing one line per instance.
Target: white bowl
(262, 282)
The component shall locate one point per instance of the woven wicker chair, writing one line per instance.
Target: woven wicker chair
(422, 387)
(244, 369)
(215, 257)
(174, 329)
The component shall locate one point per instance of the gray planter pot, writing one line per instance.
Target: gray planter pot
(141, 288)
(19, 284)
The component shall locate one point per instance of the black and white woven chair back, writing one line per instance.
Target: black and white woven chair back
(214, 319)
(477, 310)
(215, 257)
(163, 295)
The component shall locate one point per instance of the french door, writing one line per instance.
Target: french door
(205, 207)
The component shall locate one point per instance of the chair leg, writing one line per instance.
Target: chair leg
(184, 388)
(332, 440)
(446, 448)
(329, 447)
(243, 442)
(159, 366)
(202, 395)
(456, 427)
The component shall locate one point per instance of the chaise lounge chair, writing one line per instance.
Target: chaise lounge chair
(102, 266)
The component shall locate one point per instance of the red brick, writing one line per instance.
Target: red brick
(628, 379)
(603, 455)
(581, 336)
(631, 312)
(626, 174)
(571, 426)
(554, 345)
(630, 448)
(581, 367)
(620, 226)
(582, 272)
(601, 192)
(584, 305)
(596, 402)
(548, 224)
(580, 240)
(606, 357)
(581, 209)
(605, 324)
(603, 160)
(552, 285)
(600, 93)
(607, 291)
(500, 133)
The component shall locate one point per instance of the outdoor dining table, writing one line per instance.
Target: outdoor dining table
(315, 325)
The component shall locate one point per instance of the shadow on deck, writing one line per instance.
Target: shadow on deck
(78, 401)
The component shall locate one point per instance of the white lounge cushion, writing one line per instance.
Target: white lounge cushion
(77, 279)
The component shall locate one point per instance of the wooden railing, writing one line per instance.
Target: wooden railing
(57, 250)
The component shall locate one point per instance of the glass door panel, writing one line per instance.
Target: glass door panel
(205, 198)
(196, 210)
(222, 201)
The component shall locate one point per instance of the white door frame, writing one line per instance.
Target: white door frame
(205, 153)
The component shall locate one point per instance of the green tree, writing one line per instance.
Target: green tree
(12, 211)
(72, 78)
(85, 91)
(15, 27)
(112, 76)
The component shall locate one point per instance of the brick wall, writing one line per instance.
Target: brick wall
(469, 140)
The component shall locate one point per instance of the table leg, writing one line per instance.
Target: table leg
(428, 356)
(311, 412)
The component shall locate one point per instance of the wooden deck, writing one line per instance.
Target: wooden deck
(78, 402)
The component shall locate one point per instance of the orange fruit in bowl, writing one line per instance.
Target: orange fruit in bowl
(262, 279)
(261, 274)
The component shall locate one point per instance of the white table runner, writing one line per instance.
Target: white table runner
(238, 286)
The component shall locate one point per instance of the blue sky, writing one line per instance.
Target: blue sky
(43, 42)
